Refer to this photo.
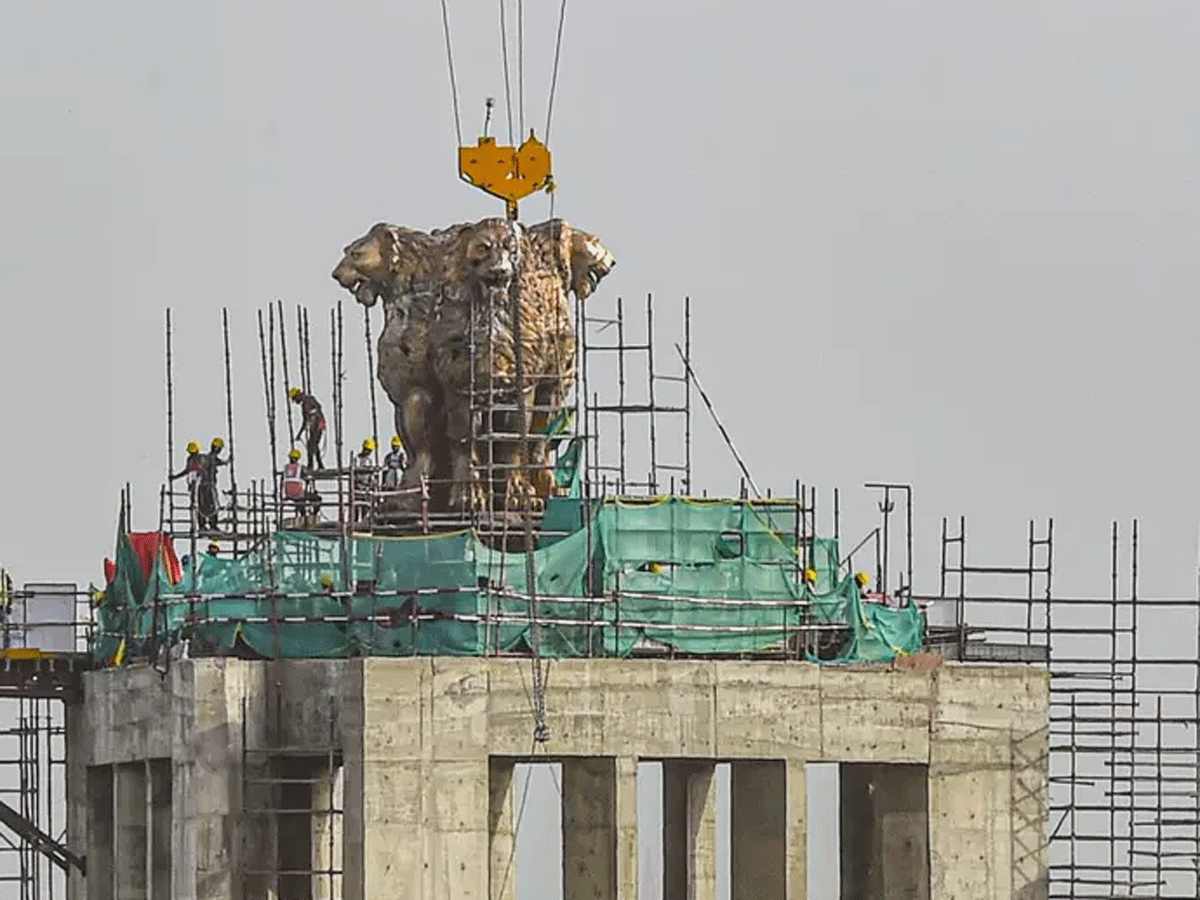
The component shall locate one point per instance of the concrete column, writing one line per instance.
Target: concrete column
(689, 830)
(627, 828)
(130, 851)
(797, 830)
(758, 830)
(218, 836)
(589, 825)
(160, 826)
(353, 800)
(502, 865)
(420, 829)
(101, 833)
(77, 794)
(884, 831)
(327, 832)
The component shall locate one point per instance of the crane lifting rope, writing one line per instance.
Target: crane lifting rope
(507, 172)
(512, 173)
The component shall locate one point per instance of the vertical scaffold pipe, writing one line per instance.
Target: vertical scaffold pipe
(268, 396)
(288, 384)
(335, 344)
(233, 505)
(170, 415)
(371, 380)
(306, 351)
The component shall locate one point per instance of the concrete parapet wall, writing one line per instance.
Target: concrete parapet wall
(426, 748)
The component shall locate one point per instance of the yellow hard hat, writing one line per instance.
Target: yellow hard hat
(862, 578)
(218, 443)
(293, 393)
(214, 547)
(293, 453)
(368, 445)
(395, 442)
(810, 575)
(326, 581)
(193, 447)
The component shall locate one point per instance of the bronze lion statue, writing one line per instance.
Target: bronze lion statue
(448, 352)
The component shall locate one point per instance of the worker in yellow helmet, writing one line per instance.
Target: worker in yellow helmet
(206, 490)
(365, 480)
(862, 579)
(192, 465)
(312, 423)
(394, 465)
(296, 486)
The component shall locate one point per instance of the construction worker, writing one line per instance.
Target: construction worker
(213, 548)
(206, 490)
(364, 480)
(394, 465)
(863, 580)
(312, 423)
(214, 456)
(203, 499)
(192, 465)
(296, 486)
(6, 598)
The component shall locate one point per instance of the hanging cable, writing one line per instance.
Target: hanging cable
(562, 16)
(512, 852)
(521, 63)
(450, 65)
(507, 80)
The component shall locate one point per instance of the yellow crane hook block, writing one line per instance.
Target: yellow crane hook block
(507, 173)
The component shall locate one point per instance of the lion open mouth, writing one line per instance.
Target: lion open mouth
(365, 293)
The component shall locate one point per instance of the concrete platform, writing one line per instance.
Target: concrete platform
(373, 778)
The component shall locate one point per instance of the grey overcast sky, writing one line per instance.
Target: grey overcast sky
(939, 242)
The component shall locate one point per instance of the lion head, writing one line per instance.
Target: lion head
(369, 264)
(490, 250)
(590, 262)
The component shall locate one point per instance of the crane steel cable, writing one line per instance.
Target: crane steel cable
(562, 15)
(507, 79)
(521, 63)
(453, 81)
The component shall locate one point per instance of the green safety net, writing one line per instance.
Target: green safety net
(675, 574)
